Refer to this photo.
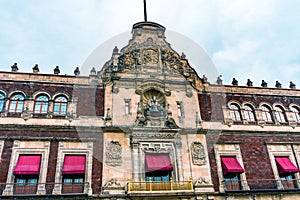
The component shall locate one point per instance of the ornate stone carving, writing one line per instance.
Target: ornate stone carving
(198, 153)
(113, 154)
(112, 183)
(201, 181)
(150, 56)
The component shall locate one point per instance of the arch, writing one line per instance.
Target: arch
(16, 103)
(279, 114)
(38, 93)
(66, 95)
(235, 112)
(17, 92)
(266, 113)
(234, 102)
(41, 104)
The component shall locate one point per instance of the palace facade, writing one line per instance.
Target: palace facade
(146, 126)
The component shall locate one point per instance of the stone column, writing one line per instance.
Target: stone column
(135, 161)
(178, 149)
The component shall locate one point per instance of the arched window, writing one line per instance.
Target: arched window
(248, 113)
(1, 102)
(41, 104)
(60, 106)
(279, 114)
(234, 112)
(296, 114)
(266, 114)
(16, 103)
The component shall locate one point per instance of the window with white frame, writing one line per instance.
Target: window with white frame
(266, 114)
(60, 105)
(279, 114)
(249, 113)
(16, 103)
(230, 167)
(234, 111)
(295, 114)
(41, 104)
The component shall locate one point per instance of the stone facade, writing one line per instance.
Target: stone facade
(148, 128)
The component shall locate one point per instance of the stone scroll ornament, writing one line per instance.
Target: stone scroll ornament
(198, 153)
(113, 154)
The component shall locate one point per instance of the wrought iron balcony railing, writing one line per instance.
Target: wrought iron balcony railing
(151, 186)
(31, 188)
(262, 184)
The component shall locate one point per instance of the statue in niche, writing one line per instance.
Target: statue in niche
(198, 153)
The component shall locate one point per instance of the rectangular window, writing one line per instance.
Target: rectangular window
(231, 173)
(179, 109)
(127, 106)
(73, 174)
(286, 170)
(25, 184)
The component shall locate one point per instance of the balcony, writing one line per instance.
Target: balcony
(32, 189)
(158, 186)
(262, 185)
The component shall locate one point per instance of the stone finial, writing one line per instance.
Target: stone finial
(234, 82)
(264, 83)
(204, 79)
(219, 80)
(36, 69)
(93, 72)
(292, 85)
(76, 71)
(14, 68)
(277, 84)
(56, 70)
(183, 56)
(116, 50)
(249, 83)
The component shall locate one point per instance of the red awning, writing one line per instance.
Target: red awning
(285, 165)
(231, 165)
(28, 164)
(158, 162)
(74, 165)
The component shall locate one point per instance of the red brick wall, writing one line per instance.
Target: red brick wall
(5, 159)
(90, 101)
(211, 106)
(254, 152)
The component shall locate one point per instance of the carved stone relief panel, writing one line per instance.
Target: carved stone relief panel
(113, 153)
(198, 153)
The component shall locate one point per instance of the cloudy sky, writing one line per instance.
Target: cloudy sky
(244, 38)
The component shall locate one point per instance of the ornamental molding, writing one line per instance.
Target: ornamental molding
(113, 154)
(150, 135)
(198, 153)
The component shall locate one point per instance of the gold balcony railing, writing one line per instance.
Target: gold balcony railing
(262, 184)
(31, 189)
(150, 186)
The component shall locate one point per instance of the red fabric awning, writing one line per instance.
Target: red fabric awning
(285, 165)
(28, 164)
(231, 165)
(74, 165)
(158, 162)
